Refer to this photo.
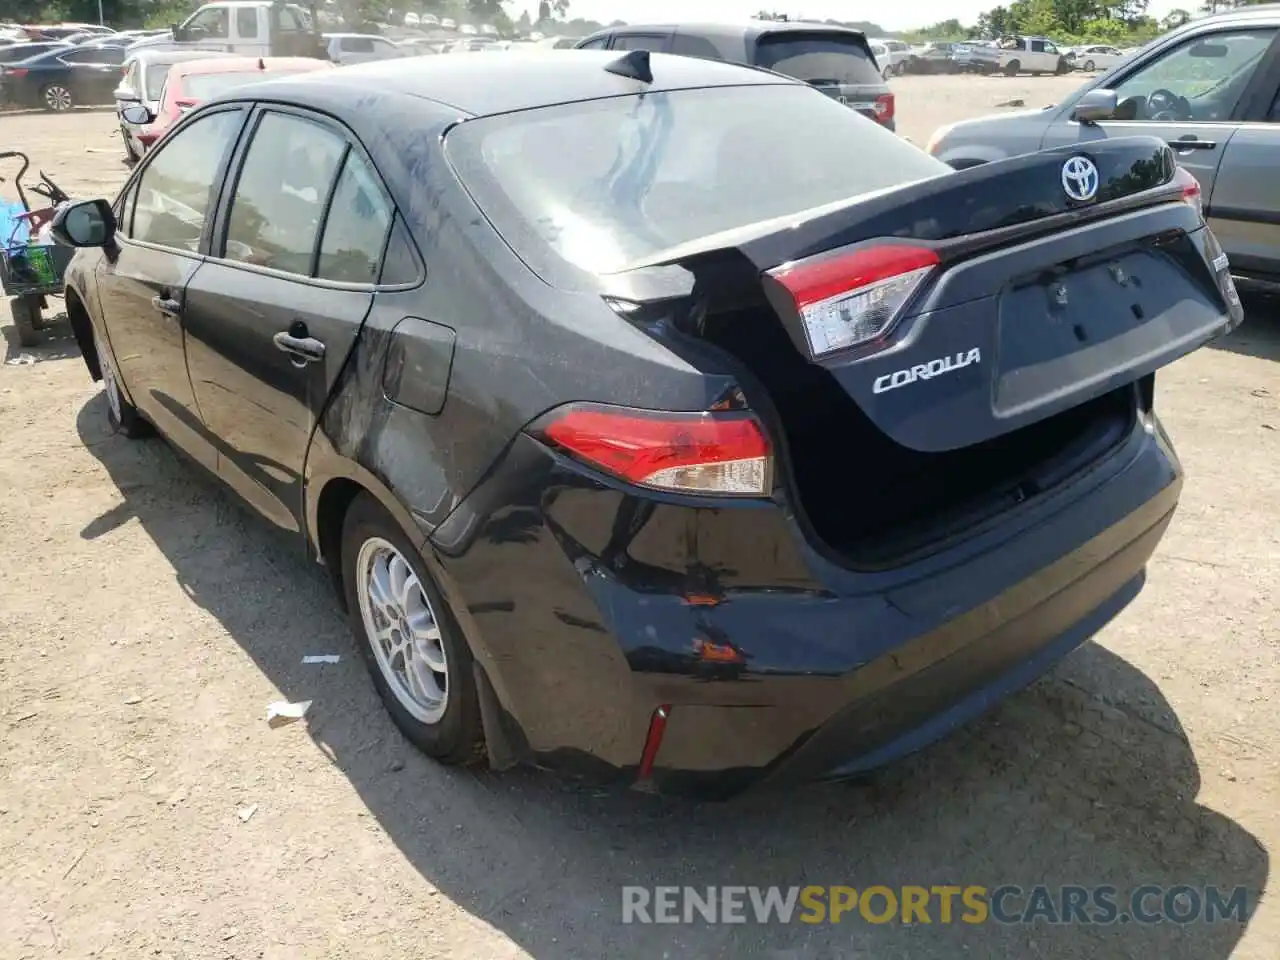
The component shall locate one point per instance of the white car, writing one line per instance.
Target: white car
(1097, 57)
(411, 19)
(346, 48)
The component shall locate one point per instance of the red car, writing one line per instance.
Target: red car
(192, 82)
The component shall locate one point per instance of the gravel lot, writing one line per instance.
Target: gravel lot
(147, 810)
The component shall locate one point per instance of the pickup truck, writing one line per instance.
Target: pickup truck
(248, 28)
(1034, 55)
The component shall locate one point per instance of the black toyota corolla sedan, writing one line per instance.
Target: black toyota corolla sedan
(660, 418)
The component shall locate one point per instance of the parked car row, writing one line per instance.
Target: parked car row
(1010, 55)
(658, 418)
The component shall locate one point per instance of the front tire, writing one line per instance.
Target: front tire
(131, 155)
(57, 98)
(1012, 69)
(411, 643)
(1090, 66)
(122, 415)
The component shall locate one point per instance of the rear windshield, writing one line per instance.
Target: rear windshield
(205, 86)
(817, 57)
(606, 184)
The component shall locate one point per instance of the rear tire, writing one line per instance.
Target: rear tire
(26, 318)
(1090, 66)
(122, 415)
(390, 595)
(887, 72)
(57, 98)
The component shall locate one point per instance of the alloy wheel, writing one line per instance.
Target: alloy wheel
(57, 98)
(402, 629)
(109, 384)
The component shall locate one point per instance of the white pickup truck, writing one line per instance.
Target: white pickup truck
(250, 28)
(1034, 55)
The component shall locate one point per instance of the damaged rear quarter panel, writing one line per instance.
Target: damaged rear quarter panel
(522, 347)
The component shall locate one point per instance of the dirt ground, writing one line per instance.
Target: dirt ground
(147, 810)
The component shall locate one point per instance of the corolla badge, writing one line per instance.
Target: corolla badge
(1080, 179)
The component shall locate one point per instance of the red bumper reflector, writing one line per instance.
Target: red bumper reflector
(653, 742)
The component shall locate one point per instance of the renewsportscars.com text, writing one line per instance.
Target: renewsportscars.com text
(943, 904)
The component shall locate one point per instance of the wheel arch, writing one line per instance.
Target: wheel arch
(82, 329)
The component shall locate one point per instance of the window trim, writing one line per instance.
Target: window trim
(231, 178)
(135, 179)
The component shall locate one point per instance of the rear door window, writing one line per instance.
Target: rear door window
(691, 46)
(827, 57)
(280, 194)
(357, 44)
(640, 41)
(247, 22)
(356, 229)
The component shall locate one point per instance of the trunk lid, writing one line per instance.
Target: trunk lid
(1037, 302)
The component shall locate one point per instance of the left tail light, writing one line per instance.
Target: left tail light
(847, 299)
(886, 107)
(16, 72)
(713, 453)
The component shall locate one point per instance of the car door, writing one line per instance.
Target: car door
(1038, 58)
(95, 72)
(165, 220)
(1245, 208)
(271, 318)
(1189, 93)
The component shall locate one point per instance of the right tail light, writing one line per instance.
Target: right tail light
(847, 299)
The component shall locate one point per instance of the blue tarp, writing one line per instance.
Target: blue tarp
(14, 233)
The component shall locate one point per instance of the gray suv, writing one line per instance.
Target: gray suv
(1212, 90)
(836, 60)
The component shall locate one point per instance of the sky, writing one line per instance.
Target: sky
(900, 15)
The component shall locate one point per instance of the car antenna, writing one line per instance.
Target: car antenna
(633, 64)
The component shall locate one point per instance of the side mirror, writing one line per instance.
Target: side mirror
(87, 223)
(1096, 105)
(136, 113)
(126, 94)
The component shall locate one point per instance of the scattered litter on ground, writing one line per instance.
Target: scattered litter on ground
(282, 712)
(25, 359)
(26, 716)
(245, 813)
(322, 658)
(133, 701)
(1011, 102)
(75, 863)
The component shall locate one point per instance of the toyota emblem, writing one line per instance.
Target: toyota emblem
(1080, 179)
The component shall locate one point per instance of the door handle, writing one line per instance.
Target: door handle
(167, 305)
(303, 349)
(1192, 143)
